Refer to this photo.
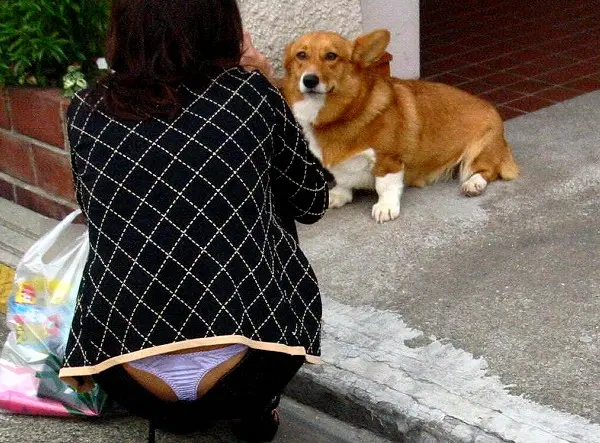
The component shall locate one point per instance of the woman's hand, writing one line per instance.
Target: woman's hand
(253, 59)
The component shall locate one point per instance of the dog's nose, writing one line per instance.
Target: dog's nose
(310, 80)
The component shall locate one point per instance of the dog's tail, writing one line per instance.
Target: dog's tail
(509, 170)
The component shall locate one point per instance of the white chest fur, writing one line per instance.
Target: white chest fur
(353, 173)
(306, 112)
(356, 172)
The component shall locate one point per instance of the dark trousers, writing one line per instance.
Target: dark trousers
(245, 392)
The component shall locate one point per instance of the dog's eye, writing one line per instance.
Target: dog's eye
(331, 56)
(301, 55)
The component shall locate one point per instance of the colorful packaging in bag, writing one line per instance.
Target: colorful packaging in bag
(39, 315)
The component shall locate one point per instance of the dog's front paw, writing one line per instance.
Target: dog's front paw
(338, 197)
(385, 211)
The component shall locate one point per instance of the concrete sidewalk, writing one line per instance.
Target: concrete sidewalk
(474, 319)
(465, 320)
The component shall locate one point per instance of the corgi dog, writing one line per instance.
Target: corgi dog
(376, 132)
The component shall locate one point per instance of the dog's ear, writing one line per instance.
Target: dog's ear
(370, 47)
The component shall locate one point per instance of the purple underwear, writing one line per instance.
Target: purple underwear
(184, 372)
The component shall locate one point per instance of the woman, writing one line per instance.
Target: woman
(196, 302)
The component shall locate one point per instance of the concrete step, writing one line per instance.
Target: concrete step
(19, 229)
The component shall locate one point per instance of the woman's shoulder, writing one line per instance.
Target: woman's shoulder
(247, 80)
(86, 96)
(235, 89)
(83, 101)
(262, 86)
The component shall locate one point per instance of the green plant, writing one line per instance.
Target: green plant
(73, 80)
(40, 39)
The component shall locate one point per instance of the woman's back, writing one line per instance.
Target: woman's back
(196, 303)
(185, 243)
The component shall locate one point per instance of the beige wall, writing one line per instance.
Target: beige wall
(401, 17)
(274, 23)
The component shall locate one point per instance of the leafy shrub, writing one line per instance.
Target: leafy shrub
(40, 39)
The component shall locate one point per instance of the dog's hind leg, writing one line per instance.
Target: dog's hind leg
(475, 185)
(484, 162)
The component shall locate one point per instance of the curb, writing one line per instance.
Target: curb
(351, 405)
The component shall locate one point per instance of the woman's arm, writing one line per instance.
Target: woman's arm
(298, 177)
(300, 187)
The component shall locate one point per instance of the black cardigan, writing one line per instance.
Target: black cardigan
(186, 223)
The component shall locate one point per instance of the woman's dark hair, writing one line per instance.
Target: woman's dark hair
(153, 46)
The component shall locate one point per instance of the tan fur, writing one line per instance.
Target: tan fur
(423, 128)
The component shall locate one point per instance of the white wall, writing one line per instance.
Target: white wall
(274, 23)
(401, 17)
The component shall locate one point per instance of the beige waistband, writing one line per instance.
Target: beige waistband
(79, 371)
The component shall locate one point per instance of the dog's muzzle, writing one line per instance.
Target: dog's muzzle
(311, 83)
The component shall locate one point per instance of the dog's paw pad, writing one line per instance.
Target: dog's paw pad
(383, 211)
(337, 199)
(474, 186)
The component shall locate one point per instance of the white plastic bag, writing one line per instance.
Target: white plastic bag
(40, 310)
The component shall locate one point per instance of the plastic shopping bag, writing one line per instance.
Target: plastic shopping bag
(40, 310)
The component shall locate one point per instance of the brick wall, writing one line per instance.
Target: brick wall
(35, 168)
